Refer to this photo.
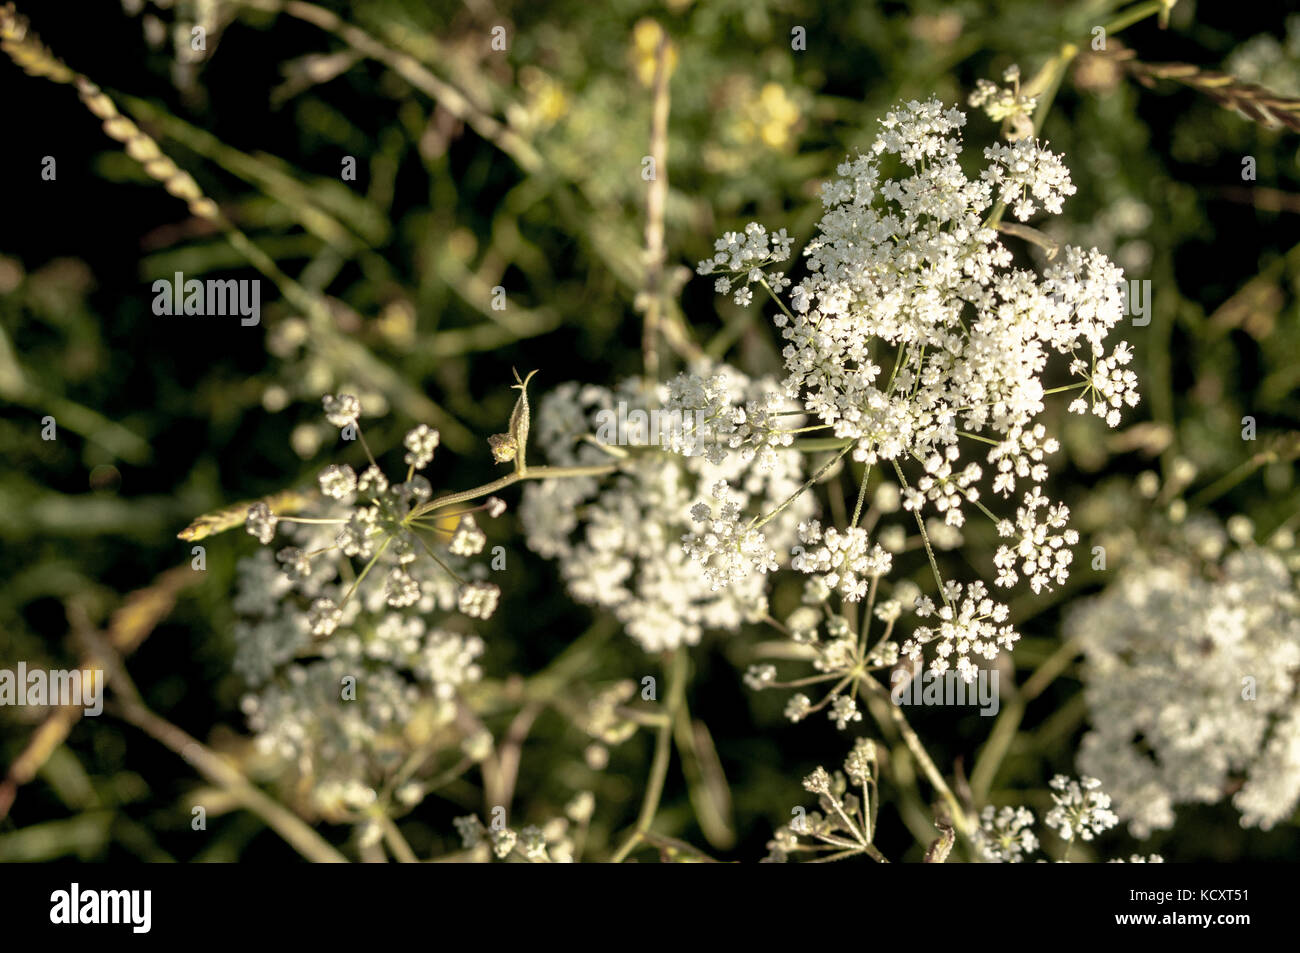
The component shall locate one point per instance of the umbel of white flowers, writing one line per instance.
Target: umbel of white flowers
(348, 669)
(1195, 650)
(916, 341)
(627, 543)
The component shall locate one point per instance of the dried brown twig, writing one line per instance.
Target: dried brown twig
(1252, 101)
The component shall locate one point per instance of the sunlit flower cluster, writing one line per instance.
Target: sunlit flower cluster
(917, 343)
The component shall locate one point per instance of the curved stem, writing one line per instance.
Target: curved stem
(532, 473)
(216, 769)
(760, 521)
(914, 745)
(677, 668)
(925, 538)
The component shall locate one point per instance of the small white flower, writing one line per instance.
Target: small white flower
(1006, 835)
(843, 710)
(471, 831)
(468, 540)
(797, 708)
(341, 410)
(338, 482)
(1028, 176)
(401, 589)
(503, 842)
(421, 442)
(845, 562)
(323, 617)
(1081, 809)
(261, 522)
(297, 564)
(968, 624)
(479, 599)
(819, 782)
(726, 546)
(372, 482)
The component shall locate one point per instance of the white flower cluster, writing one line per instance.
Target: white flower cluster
(1110, 385)
(1026, 175)
(533, 844)
(1005, 836)
(1138, 859)
(726, 544)
(377, 523)
(845, 825)
(969, 623)
(345, 710)
(346, 668)
(619, 541)
(731, 415)
(1079, 808)
(1191, 680)
(907, 276)
(843, 659)
(1005, 104)
(1080, 811)
(743, 258)
(342, 410)
(841, 562)
(917, 342)
(1043, 541)
(420, 444)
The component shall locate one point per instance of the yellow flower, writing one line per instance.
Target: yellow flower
(779, 115)
(645, 50)
(769, 116)
(547, 103)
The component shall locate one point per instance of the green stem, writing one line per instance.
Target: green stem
(925, 538)
(1050, 77)
(396, 842)
(819, 444)
(370, 565)
(677, 669)
(1136, 13)
(914, 745)
(862, 495)
(1234, 476)
(764, 520)
(218, 770)
(532, 473)
(1008, 723)
(781, 304)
